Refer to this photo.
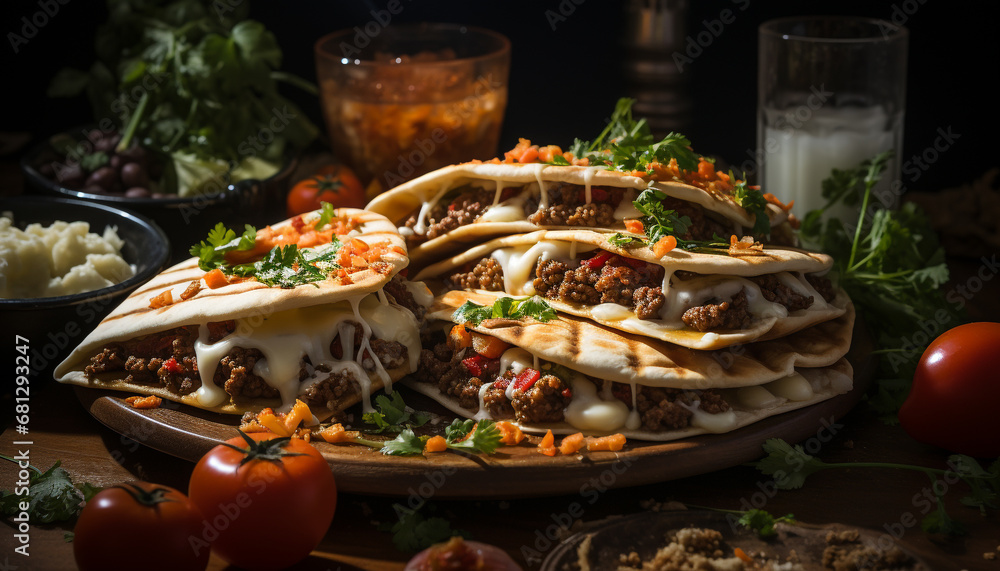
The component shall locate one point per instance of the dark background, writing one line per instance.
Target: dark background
(564, 82)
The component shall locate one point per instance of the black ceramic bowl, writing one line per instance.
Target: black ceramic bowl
(54, 326)
(186, 220)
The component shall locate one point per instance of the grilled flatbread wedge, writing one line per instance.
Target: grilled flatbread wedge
(453, 207)
(569, 374)
(328, 322)
(693, 299)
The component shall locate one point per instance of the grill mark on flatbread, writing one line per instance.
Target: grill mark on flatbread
(574, 335)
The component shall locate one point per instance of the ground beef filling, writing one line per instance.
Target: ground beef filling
(631, 283)
(147, 360)
(776, 292)
(732, 314)
(823, 285)
(567, 206)
(446, 215)
(402, 296)
(660, 409)
(703, 226)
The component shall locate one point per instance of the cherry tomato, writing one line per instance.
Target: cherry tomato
(267, 501)
(139, 526)
(336, 184)
(956, 390)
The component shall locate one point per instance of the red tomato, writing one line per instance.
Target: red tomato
(267, 501)
(956, 390)
(336, 184)
(139, 526)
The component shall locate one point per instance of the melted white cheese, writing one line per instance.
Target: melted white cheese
(510, 210)
(518, 262)
(625, 208)
(285, 338)
(588, 411)
(756, 397)
(721, 422)
(794, 387)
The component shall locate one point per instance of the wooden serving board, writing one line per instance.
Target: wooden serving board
(518, 471)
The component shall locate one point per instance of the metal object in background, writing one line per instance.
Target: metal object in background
(654, 30)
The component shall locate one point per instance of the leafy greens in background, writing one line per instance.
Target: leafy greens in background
(891, 264)
(196, 82)
(52, 496)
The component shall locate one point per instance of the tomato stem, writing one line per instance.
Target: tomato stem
(151, 498)
(271, 450)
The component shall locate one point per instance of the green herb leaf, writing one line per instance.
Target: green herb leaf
(534, 307)
(393, 414)
(658, 221)
(762, 522)
(52, 496)
(789, 465)
(625, 240)
(753, 202)
(481, 437)
(892, 266)
(326, 214)
(413, 532)
(406, 444)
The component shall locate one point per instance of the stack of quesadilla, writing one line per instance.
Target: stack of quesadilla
(660, 303)
(312, 308)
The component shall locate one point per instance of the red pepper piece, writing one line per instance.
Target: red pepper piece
(474, 364)
(172, 366)
(501, 383)
(599, 260)
(526, 379)
(298, 224)
(567, 393)
(596, 195)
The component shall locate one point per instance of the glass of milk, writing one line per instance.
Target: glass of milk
(831, 93)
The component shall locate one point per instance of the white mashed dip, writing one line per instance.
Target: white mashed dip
(61, 259)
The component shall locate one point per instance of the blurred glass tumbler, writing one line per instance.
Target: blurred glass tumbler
(412, 98)
(831, 93)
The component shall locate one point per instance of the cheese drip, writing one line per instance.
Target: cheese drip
(518, 262)
(285, 338)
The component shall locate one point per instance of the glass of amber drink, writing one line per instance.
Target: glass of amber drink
(412, 98)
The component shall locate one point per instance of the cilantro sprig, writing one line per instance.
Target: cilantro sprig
(505, 307)
(392, 415)
(413, 531)
(892, 266)
(52, 496)
(469, 435)
(657, 220)
(211, 253)
(752, 201)
(627, 144)
(791, 466)
(282, 266)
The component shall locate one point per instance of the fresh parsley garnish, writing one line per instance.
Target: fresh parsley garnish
(753, 202)
(393, 415)
(406, 444)
(283, 266)
(52, 496)
(505, 307)
(657, 220)
(473, 436)
(211, 253)
(791, 465)
(893, 267)
(625, 240)
(558, 160)
(412, 531)
(762, 523)
(326, 214)
(628, 145)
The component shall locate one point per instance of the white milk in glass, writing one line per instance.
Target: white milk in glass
(799, 154)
